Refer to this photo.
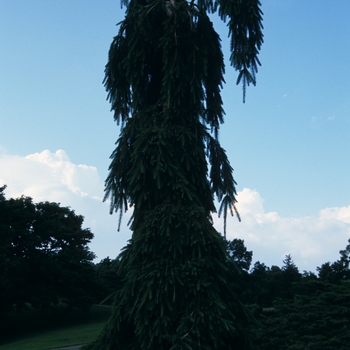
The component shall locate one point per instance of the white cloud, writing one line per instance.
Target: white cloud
(311, 240)
(340, 214)
(48, 176)
(80, 179)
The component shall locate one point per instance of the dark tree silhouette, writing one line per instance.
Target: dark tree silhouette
(163, 77)
(239, 253)
(338, 270)
(44, 257)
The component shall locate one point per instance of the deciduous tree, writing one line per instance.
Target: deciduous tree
(44, 257)
(338, 270)
(317, 318)
(239, 253)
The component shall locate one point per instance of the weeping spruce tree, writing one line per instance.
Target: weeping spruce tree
(163, 77)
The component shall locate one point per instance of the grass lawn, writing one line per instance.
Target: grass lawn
(37, 330)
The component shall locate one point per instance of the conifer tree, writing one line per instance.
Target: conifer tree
(163, 78)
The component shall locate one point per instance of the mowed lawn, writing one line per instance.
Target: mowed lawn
(37, 330)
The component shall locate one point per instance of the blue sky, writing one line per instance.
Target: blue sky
(289, 143)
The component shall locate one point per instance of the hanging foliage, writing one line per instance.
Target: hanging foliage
(163, 77)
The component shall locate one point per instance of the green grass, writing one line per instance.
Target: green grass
(37, 330)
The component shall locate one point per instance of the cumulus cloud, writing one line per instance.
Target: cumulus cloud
(51, 176)
(42, 171)
(311, 240)
(340, 214)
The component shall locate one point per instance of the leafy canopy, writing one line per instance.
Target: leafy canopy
(44, 257)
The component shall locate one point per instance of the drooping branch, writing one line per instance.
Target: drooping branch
(245, 31)
(171, 63)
